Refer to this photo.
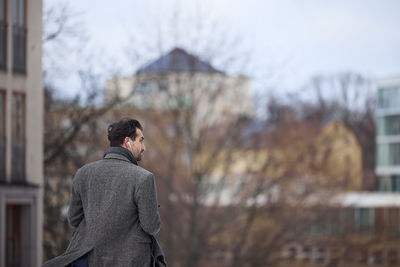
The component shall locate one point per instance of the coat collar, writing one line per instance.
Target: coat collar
(121, 154)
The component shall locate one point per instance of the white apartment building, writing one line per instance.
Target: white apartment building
(388, 135)
(21, 133)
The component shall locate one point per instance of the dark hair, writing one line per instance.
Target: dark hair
(117, 131)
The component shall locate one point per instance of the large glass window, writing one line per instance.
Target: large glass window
(3, 34)
(13, 236)
(383, 155)
(395, 183)
(389, 125)
(394, 154)
(19, 36)
(389, 98)
(392, 125)
(358, 219)
(388, 154)
(389, 183)
(18, 138)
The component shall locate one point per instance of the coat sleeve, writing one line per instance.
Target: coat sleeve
(146, 199)
(75, 211)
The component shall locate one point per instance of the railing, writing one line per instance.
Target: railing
(19, 49)
(18, 161)
(3, 45)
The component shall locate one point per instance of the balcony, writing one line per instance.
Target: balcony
(3, 45)
(18, 161)
(19, 49)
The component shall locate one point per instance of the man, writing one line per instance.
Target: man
(113, 206)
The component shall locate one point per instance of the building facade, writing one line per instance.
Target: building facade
(21, 131)
(368, 218)
(181, 80)
(359, 229)
(388, 135)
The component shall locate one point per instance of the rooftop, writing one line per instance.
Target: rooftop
(178, 60)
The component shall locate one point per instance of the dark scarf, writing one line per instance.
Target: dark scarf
(121, 151)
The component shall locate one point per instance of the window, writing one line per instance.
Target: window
(394, 156)
(359, 219)
(13, 236)
(2, 136)
(19, 35)
(383, 155)
(392, 125)
(143, 88)
(388, 154)
(365, 219)
(389, 125)
(18, 138)
(384, 183)
(395, 183)
(389, 98)
(3, 34)
(389, 183)
(346, 218)
(393, 221)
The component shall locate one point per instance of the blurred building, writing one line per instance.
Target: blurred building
(359, 229)
(351, 227)
(371, 219)
(21, 133)
(388, 135)
(181, 80)
(330, 156)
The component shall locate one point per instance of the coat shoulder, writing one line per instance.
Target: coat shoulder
(124, 168)
(143, 171)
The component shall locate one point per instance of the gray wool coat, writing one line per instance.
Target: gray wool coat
(114, 208)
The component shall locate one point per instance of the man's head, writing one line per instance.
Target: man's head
(127, 133)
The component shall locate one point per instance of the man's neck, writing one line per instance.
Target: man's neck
(122, 151)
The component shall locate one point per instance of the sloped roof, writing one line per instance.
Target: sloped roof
(178, 60)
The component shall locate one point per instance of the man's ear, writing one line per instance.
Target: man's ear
(126, 140)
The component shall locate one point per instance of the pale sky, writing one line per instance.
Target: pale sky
(294, 38)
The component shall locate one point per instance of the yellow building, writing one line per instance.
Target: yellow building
(330, 158)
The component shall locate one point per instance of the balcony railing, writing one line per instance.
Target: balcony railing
(2, 159)
(3, 44)
(19, 49)
(18, 161)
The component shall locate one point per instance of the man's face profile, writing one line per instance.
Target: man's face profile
(137, 146)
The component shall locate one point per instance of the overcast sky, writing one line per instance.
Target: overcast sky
(297, 38)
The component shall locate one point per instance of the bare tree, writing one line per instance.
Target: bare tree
(69, 120)
(349, 97)
(213, 215)
(230, 195)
